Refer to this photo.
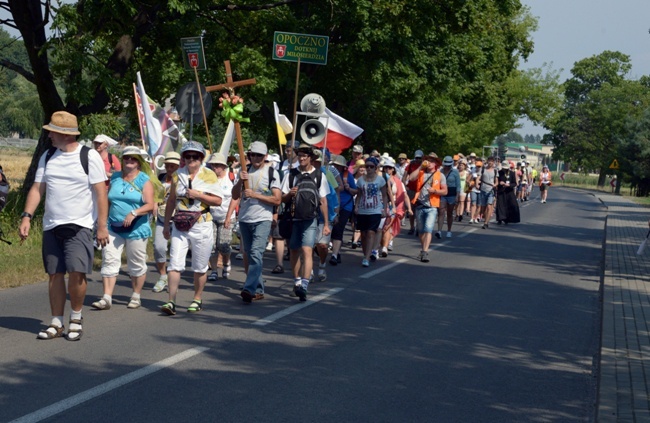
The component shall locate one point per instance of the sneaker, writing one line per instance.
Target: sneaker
(373, 255)
(134, 303)
(239, 256)
(365, 263)
(213, 276)
(169, 308)
(225, 273)
(322, 277)
(438, 235)
(448, 234)
(269, 246)
(384, 252)
(358, 244)
(333, 260)
(390, 245)
(246, 296)
(300, 292)
(160, 285)
(353, 245)
(424, 256)
(338, 258)
(102, 304)
(471, 221)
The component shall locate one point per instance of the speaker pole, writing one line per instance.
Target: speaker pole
(295, 115)
(205, 118)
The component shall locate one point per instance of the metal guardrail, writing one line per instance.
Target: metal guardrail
(18, 142)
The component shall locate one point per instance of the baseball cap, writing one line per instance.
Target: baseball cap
(418, 153)
(258, 147)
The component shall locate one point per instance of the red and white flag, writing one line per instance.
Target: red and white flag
(340, 133)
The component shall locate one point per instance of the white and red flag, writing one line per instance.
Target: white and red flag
(340, 133)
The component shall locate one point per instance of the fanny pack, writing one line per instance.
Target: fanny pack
(119, 228)
(184, 220)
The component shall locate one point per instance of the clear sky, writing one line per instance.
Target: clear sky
(571, 30)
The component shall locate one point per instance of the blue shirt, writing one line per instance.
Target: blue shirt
(124, 197)
(347, 200)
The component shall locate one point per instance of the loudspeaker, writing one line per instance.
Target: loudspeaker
(523, 156)
(312, 131)
(313, 103)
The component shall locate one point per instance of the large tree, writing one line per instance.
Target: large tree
(436, 75)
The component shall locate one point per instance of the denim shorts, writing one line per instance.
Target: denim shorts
(486, 198)
(450, 200)
(303, 234)
(426, 218)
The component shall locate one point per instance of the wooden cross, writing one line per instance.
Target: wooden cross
(230, 85)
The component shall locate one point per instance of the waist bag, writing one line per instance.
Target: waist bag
(184, 220)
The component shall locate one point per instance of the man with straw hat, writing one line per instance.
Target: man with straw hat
(73, 178)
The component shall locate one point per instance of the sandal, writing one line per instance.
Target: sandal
(278, 269)
(213, 276)
(195, 307)
(76, 332)
(57, 332)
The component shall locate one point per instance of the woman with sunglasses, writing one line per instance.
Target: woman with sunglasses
(131, 199)
(194, 190)
(371, 206)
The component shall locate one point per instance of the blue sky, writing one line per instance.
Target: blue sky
(571, 30)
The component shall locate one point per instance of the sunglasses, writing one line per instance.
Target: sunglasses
(257, 155)
(370, 166)
(192, 157)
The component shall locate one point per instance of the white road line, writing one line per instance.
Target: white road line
(280, 314)
(104, 388)
(464, 234)
(383, 269)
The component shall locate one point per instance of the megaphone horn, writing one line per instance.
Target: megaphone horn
(312, 131)
(313, 103)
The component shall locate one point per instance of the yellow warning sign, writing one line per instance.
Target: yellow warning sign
(614, 164)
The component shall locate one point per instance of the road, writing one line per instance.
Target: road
(502, 325)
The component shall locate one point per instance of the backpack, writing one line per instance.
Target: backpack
(83, 156)
(4, 189)
(306, 203)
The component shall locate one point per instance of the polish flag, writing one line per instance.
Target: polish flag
(340, 133)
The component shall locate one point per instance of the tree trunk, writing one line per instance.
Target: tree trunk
(602, 176)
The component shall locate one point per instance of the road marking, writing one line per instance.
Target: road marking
(464, 234)
(383, 269)
(75, 400)
(280, 314)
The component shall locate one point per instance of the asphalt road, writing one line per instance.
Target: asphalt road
(502, 325)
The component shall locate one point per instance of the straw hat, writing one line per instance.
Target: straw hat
(173, 158)
(63, 123)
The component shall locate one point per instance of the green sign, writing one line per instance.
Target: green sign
(193, 55)
(290, 47)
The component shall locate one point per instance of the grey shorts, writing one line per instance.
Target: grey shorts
(68, 248)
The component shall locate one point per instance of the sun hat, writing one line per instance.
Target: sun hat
(132, 150)
(402, 156)
(418, 153)
(505, 163)
(217, 158)
(275, 158)
(318, 155)
(357, 149)
(305, 148)
(173, 158)
(338, 160)
(448, 161)
(193, 146)
(101, 138)
(63, 123)
(258, 147)
(388, 162)
(472, 155)
(359, 163)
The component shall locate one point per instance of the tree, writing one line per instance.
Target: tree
(439, 74)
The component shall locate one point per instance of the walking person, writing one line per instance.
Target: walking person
(400, 208)
(413, 165)
(448, 201)
(346, 198)
(74, 180)
(194, 190)
(223, 217)
(462, 191)
(160, 244)
(545, 181)
(304, 192)
(507, 206)
(473, 179)
(102, 143)
(255, 216)
(487, 184)
(430, 186)
(371, 206)
(131, 200)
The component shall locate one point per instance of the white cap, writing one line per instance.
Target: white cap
(101, 138)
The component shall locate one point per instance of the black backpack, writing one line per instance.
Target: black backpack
(83, 156)
(306, 203)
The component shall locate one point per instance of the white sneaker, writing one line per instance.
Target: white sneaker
(390, 245)
(239, 256)
(438, 234)
(322, 277)
(448, 234)
(161, 284)
(269, 246)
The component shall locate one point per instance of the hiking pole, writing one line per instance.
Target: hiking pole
(2, 237)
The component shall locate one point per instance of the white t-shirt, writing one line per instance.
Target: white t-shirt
(251, 210)
(225, 192)
(69, 193)
(323, 189)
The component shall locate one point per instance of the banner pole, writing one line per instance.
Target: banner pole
(205, 118)
(295, 115)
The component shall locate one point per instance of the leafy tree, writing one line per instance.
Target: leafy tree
(440, 75)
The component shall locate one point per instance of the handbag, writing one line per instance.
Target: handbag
(119, 228)
(184, 219)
